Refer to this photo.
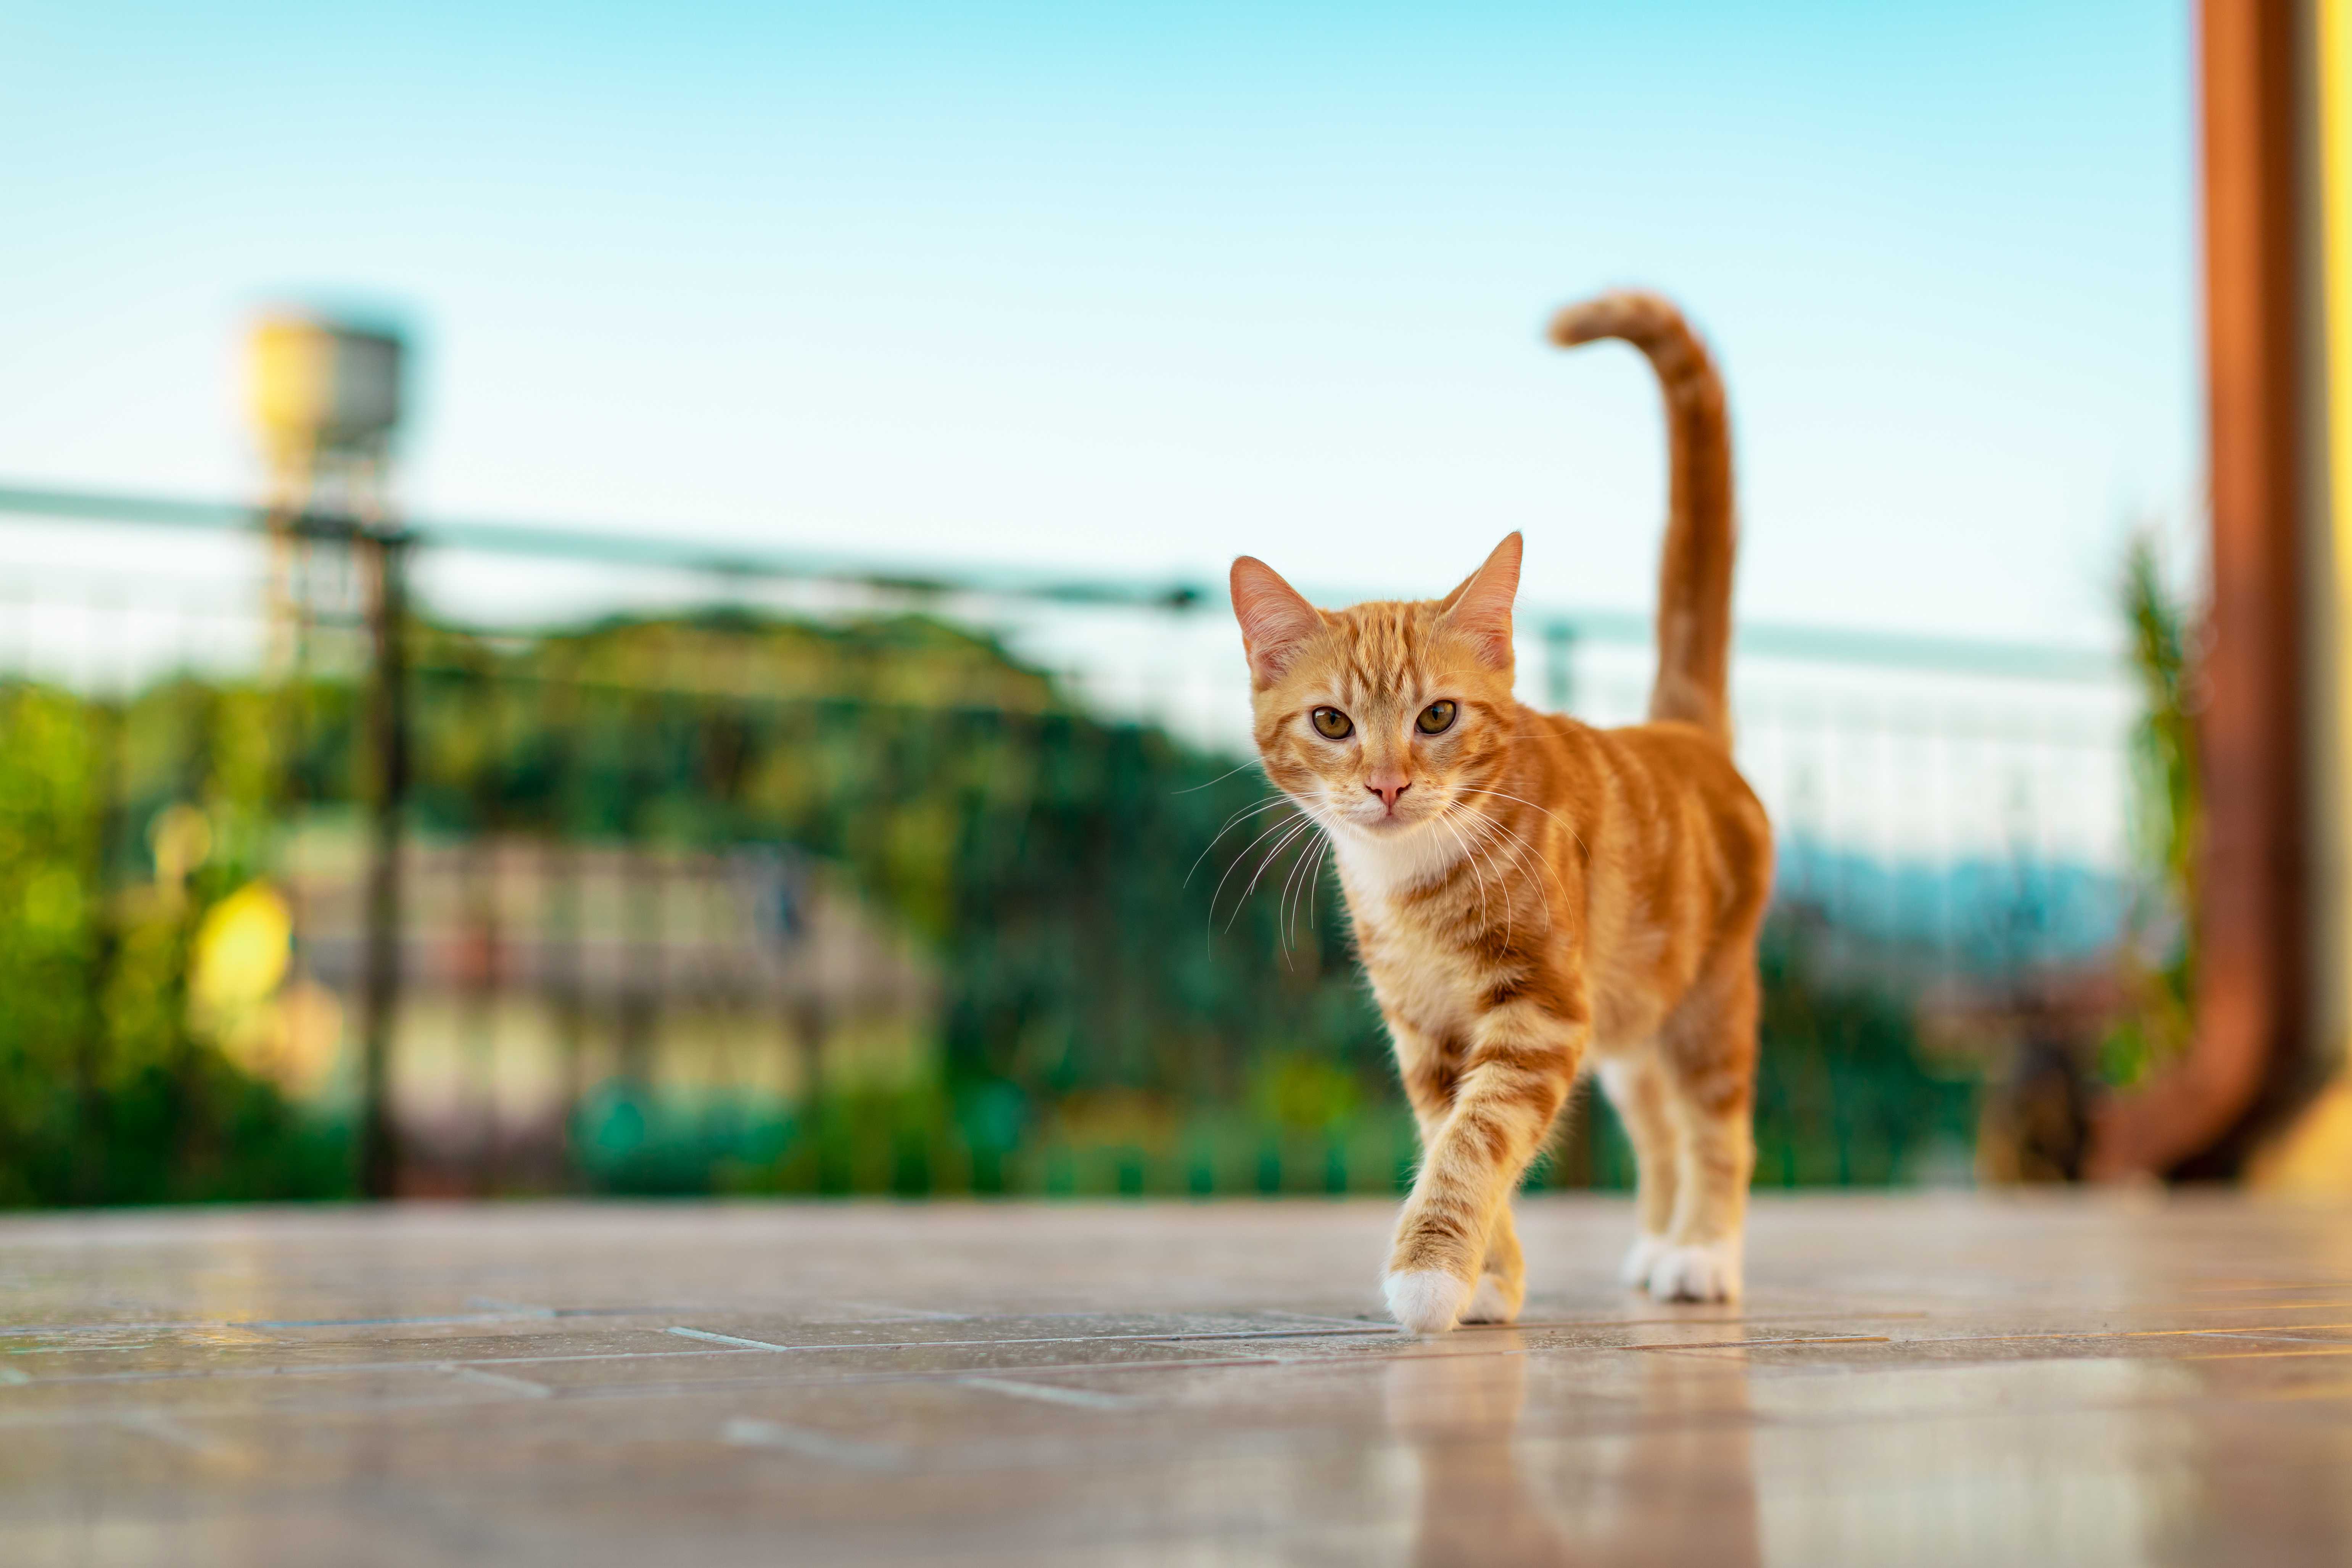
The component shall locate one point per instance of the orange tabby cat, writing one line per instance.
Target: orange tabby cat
(1531, 894)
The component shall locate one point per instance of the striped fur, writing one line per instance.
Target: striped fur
(1531, 896)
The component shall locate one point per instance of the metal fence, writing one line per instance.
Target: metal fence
(628, 861)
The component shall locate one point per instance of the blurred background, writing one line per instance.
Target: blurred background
(594, 600)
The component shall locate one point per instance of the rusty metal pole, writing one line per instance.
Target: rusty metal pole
(385, 552)
(2252, 928)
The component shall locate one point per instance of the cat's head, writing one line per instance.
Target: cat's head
(1380, 718)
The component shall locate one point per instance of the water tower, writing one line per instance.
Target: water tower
(325, 397)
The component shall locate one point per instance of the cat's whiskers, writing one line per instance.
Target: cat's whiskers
(1247, 811)
(1487, 848)
(1218, 892)
(1285, 908)
(1277, 798)
(1520, 850)
(1218, 780)
(1532, 859)
(1315, 878)
(1573, 833)
(1303, 823)
(1322, 854)
(1470, 856)
(1519, 858)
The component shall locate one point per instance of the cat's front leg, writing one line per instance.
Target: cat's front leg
(1502, 1277)
(1521, 1064)
(1430, 1068)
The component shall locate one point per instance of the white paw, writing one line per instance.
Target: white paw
(1425, 1300)
(1491, 1302)
(1703, 1273)
(1640, 1258)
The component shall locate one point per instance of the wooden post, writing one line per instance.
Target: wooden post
(383, 554)
(2252, 946)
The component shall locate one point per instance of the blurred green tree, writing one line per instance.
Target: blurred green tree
(2159, 954)
(1147, 983)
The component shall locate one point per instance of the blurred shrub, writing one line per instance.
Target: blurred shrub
(1120, 1013)
(2166, 814)
(107, 1093)
(1042, 852)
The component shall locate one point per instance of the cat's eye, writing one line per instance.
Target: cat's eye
(1332, 725)
(1436, 718)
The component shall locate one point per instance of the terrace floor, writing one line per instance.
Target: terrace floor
(1912, 1380)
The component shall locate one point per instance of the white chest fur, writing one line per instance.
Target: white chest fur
(1415, 977)
(1376, 868)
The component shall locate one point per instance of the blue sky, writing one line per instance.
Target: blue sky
(1141, 287)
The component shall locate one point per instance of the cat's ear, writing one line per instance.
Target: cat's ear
(1274, 619)
(1481, 607)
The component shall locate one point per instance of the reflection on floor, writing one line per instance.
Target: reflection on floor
(1912, 1380)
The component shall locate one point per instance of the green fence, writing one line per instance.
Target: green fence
(749, 895)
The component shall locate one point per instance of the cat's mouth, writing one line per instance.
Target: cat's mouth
(1388, 822)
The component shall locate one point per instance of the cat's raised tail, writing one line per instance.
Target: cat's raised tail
(1695, 577)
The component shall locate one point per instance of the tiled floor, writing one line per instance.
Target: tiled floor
(1914, 1380)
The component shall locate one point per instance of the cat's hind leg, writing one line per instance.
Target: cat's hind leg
(1709, 1058)
(1638, 1091)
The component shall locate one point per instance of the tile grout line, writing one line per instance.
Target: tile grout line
(750, 1431)
(523, 1386)
(705, 1334)
(1047, 1393)
(1754, 1344)
(164, 1429)
(73, 1416)
(730, 1343)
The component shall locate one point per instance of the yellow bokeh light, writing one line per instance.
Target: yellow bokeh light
(242, 951)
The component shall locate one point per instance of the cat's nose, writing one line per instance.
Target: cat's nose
(1388, 786)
